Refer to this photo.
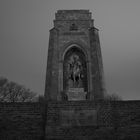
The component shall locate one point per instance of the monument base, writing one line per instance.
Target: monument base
(76, 94)
(71, 120)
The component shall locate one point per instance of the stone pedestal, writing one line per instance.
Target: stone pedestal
(75, 94)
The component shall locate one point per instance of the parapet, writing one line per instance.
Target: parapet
(73, 15)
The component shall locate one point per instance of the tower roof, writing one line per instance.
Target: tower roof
(73, 15)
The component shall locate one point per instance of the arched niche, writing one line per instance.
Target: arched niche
(75, 70)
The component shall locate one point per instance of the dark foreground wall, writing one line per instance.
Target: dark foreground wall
(21, 121)
(93, 120)
(119, 113)
(73, 120)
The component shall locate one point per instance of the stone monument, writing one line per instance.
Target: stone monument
(74, 77)
(74, 67)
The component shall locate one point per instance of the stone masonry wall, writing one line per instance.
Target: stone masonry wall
(26, 121)
(119, 113)
(113, 119)
(21, 121)
(108, 112)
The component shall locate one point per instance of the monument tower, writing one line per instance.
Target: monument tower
(74, 64)
(74, 77)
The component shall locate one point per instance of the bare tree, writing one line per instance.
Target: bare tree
(112, 97)
(13, 92)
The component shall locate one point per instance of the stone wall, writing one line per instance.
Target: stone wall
(119, 119)
(72, 120)
(119, 113)
(107, 112)
(21, 121)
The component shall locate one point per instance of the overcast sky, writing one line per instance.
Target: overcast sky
(24, 35)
